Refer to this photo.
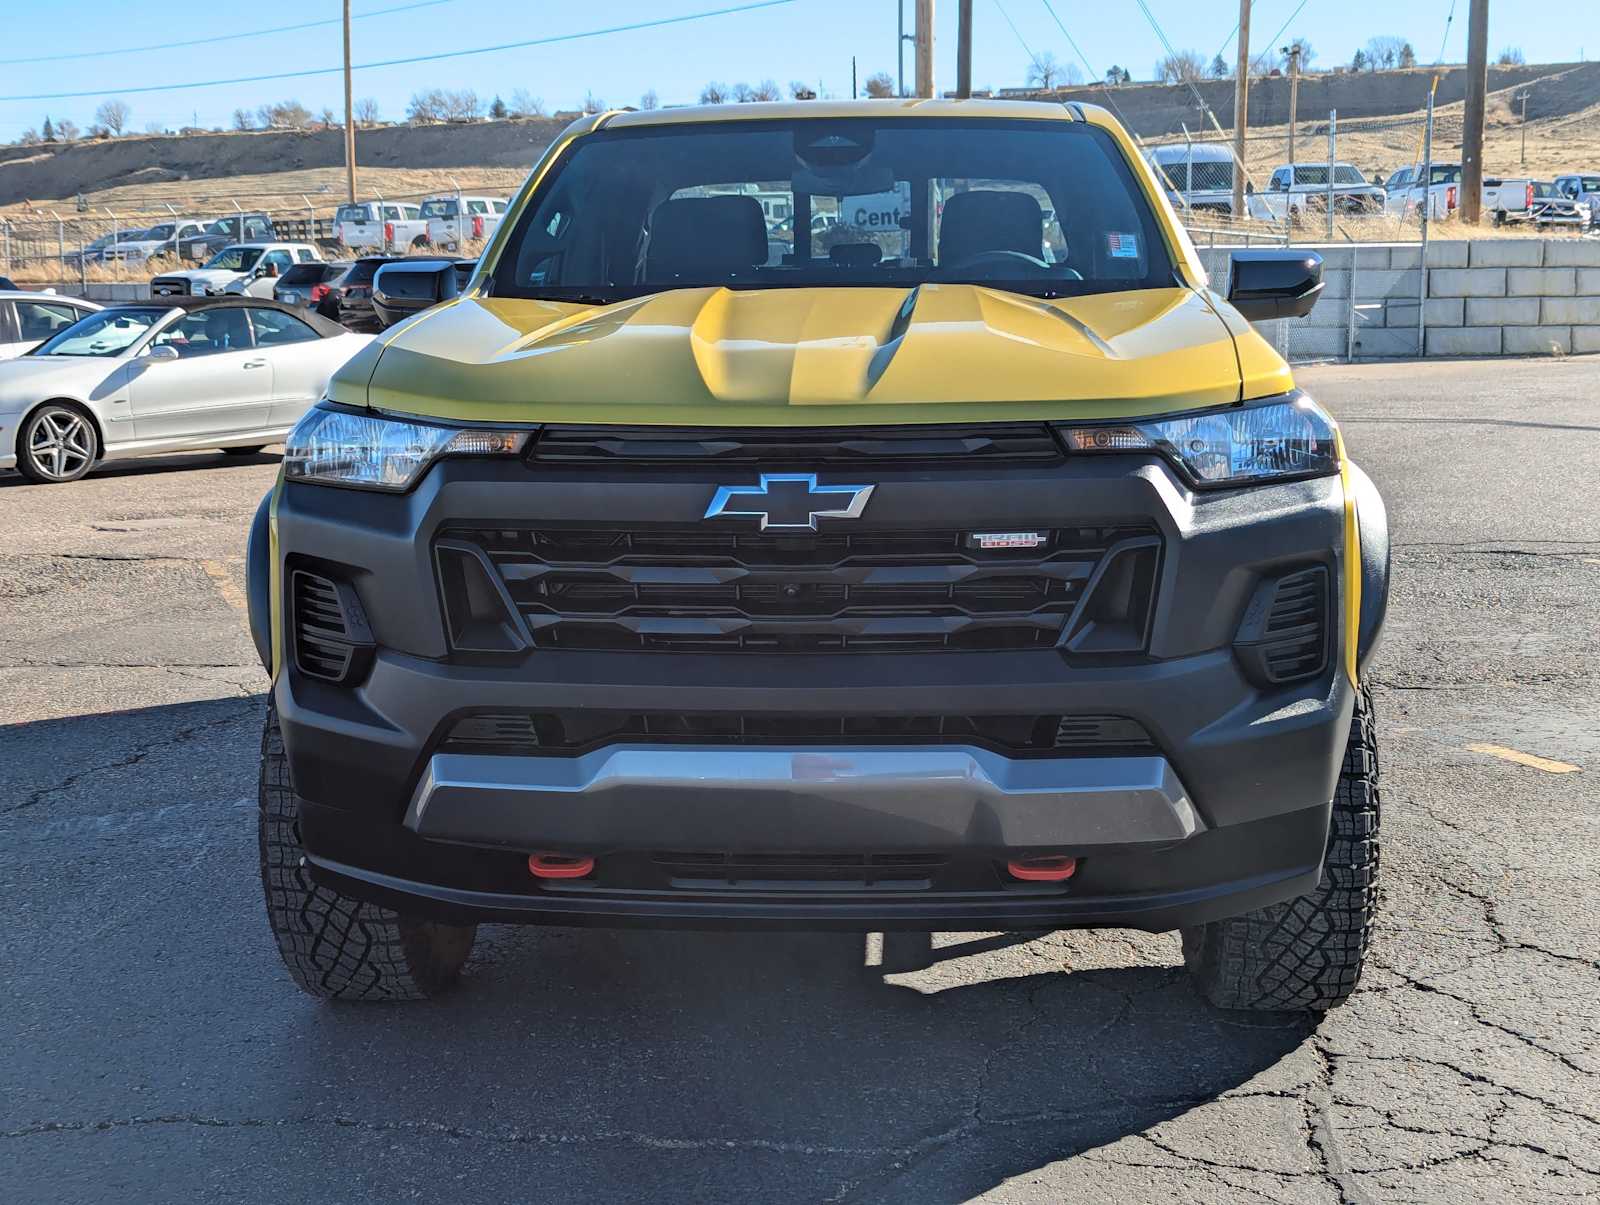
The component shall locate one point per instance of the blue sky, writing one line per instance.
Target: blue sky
(810, 40)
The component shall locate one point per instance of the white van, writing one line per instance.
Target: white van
(1201, 173)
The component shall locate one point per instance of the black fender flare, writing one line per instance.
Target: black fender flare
(258, 580)
(1372, 526)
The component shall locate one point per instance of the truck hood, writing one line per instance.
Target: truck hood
(213, 277)
(810, 357)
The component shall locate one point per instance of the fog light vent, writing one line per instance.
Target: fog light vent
(1284, 636)
(331, 636)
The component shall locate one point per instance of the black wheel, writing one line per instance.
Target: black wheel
(1306, 954)
(250, 451)
(336, 947)
(419, 243)
(57, 443)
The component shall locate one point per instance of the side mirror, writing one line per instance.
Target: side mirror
(1275, 283)
(162, 353)
(411, 286)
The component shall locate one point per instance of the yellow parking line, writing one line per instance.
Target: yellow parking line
(1526, 759)
(231, 594)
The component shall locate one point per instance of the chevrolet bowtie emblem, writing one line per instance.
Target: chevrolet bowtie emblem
(789, 502)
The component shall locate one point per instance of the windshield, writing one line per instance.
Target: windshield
(351, 213)
(223, 226)
(439, 209)
(1545, 189)
(1343, 173)
(157, 233)
(1047, 208)
(235, 259)
(1590, 184)
(103, 333)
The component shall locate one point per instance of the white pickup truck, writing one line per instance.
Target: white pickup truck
(1584, 188)
(251, 269)
(1508, 200)
(382, 225)
(1406, 192)
(453, 219)
(1297, 190)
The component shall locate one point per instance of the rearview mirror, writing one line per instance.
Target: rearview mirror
(411, 286)
(1275, 283)
(162, 353)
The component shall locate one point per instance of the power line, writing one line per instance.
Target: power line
(1449, 17)
(226, 37)
(419, 58)
(1285, 25)
(1026, 49)
(1070, 42)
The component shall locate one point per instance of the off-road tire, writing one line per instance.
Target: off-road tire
(337, 948)
(252, 450)
(1306, 954)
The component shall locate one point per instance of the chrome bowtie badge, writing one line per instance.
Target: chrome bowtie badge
(789, 502)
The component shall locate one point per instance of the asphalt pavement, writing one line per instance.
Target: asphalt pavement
(153, 1049)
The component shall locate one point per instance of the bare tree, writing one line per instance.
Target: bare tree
(1045, 72)
(592, 103)
(1383, 53)
(462, 105)
(243, 119)
(154, 127)
(28, 138)
(1118, 76)
(766, 90)
(285, 115)
(1308, 52)
(113, 114)
(524, 105)
(880, 85)
(1181, 67)
(426, 107)
(650, 101)
(327, 118)
(367, 111)
(800, 90)
(67, 130)
(1511, 56)
(714, 94)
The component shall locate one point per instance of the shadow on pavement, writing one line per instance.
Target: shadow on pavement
(575, 1064)
(142, 466)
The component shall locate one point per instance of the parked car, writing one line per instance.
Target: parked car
(386, 225)
(1583, 187)
(307, 284)
(645, 583)
(27, 319)
(349, 301)
(248, 268)
(164, 238)
(227, 230)
(203, 372)
(1551, 208)
(1298, 190)
(90, 252)
(448, 225)
(1199, 175)
(1406, 192)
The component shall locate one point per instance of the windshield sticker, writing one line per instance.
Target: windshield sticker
(1123, 246)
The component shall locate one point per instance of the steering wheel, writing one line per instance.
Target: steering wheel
(1032, 264)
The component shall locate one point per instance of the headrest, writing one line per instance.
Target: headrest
(705, 237)
(975, 222)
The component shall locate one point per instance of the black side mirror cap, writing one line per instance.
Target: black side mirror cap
(1278, 282)
(411, 286)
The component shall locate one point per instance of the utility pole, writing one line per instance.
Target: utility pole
(1293, 52)
(900, 48)
(1241, 107)
(964, 49)
(853, 93)
(925, 48)
(1524, 99)
(1472, 123)
(349, 115)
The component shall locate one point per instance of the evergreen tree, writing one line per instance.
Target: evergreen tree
(498, 109)
(49, 131)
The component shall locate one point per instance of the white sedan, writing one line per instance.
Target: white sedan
(28, 319)
(234, 373)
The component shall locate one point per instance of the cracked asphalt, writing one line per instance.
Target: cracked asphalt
(152, 1049)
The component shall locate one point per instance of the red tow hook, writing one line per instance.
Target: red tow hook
(1043, 870)
(559, 866)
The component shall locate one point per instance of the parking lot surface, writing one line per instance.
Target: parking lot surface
(154, 1050)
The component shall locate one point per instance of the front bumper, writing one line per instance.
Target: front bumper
(1225, 811)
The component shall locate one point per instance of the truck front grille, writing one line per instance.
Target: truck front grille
(581, 730)
(886, 590)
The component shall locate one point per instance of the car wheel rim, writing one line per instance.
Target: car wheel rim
(61, 443)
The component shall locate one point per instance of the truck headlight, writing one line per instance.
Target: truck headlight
(1273, 441)
(371, 451)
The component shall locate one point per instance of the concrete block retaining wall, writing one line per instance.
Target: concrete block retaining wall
(1486, 297)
